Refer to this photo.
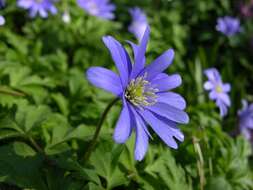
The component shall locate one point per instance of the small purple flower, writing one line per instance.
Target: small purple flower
(246, 9)
(145, 93)
(139, 22)
(99, 8)
(41, 7)
(228, 25)
(218, 90)
(2, 20)
(246, 120)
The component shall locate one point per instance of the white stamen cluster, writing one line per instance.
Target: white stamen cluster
(219, 89)
(140, 92)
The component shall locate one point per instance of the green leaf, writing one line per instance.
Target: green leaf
(22, 149)
(19, 165)
(92, 186)
(62, 132)
(58, 126)
(62, 103)
(218, 183)
(57, 148)
(105, 159)
(7, 133)
(82, 132)
(6, 122)
(29, 117)
(73, 165)
(165, 169)
(35, 116)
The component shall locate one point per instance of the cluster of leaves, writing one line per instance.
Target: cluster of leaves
(48, 111)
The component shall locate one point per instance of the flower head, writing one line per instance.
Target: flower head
(228, 25)
(145, 93)
(98, 8)
(139, 22)
(246, 120)
(218, 90)
(2, 20)
(41, 7)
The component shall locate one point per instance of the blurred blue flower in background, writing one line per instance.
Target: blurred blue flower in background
(41, 7)
(218, 90)
(99, 8)
(228, 25)
(145, 94)
(2, 3)
(2, 20)
(246, 120)
(139, 22)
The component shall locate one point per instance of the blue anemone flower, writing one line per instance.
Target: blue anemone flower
(228, 25)
(2, 20)
(41, 7)
(139, 22)
(246, 120)
(2, 3)
(218, 90)
(99, 8)
(145, 93)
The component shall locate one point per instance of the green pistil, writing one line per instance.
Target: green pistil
(218, 89)
(140, 92)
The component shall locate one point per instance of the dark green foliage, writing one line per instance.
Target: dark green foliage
(49, 111)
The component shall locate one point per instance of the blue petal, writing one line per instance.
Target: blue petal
(139, 63)
(247, 121)
(213, 75)
(165, 130)
(213, 95)
(208, 85)
(226, 87)
(225, 98)
(141, 142)
(172, 99)
(135, 49)
(169, 112)
(164, 82)
(246, 133)
(105, 79)
(123, 126)
(43, 13)
(222, 107)
(120, 58)
(160, 64)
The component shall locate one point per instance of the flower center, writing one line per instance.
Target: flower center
(140, 92)
(218, 89)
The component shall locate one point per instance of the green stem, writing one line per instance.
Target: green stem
(5, 90)
(36, 146)
(98, 129)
